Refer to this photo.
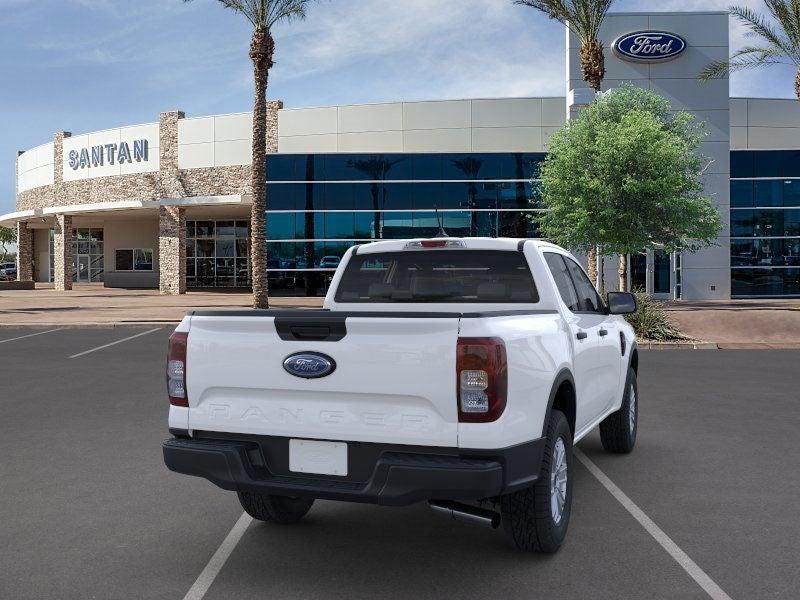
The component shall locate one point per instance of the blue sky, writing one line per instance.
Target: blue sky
(84, 65)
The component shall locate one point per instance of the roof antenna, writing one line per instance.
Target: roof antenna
(442, 233)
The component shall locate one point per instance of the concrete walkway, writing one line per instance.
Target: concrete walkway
(91, 304)
(739, 324)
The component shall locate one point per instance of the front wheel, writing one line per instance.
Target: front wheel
(618, 430)
(536, 518)
(275, 509)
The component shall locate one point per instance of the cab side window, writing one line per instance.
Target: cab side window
(590, 299)
(563, 281)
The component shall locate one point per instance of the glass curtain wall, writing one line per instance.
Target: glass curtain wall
(765, 223)
(319, 205)
(217, 254)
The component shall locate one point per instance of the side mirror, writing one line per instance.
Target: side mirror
(621, 303)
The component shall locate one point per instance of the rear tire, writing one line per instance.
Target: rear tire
(618, 430)
(536, 518)
(274, 509)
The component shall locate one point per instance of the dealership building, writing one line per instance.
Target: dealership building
(167, 204)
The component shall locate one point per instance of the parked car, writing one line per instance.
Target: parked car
(329, 262)
(8, 271)
(455, 372)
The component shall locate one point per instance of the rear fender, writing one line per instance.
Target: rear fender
(568, 406)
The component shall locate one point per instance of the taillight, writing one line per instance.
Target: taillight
(482, 372)
(176, 369)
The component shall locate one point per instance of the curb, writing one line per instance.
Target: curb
(647, 345)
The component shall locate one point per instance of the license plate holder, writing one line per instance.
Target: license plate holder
(318, 458)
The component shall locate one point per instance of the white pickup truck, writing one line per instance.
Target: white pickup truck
(454, 371)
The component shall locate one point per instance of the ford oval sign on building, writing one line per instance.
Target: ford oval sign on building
(649, 46)
(309, 365)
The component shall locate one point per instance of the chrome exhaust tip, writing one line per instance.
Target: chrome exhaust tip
(466, 513)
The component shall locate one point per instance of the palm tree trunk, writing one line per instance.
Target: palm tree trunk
(261, 51)
(623, 273)
(591, 265)
(593, 70)
(593, 67)
(797, 84)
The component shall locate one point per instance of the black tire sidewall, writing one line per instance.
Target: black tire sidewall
(562, 431)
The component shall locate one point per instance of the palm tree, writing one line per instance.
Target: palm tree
(584, 19)
(263, 15)
(779, 41)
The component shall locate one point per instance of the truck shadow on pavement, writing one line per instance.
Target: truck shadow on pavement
(346, 550)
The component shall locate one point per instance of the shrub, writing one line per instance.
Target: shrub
(651, 321)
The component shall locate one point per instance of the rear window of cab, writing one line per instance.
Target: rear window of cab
(444, 276)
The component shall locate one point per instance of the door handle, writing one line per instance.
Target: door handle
(582, 335)
(603, 333)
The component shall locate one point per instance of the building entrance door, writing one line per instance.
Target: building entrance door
(83, 269)
(656, 272)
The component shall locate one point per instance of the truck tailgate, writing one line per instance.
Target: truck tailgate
(394, 381)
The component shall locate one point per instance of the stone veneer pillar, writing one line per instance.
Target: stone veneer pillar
(273, 106)
(171, 250)
(171, 219)
(62, 250)
(24, 252)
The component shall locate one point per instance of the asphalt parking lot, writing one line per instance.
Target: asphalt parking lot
(88, 510)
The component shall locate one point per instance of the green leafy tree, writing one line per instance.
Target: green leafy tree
(778, 40)
(626, 175)
(7, 237)
(584, 19)
(263, 15)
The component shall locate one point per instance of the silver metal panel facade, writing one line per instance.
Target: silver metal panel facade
(705, 275)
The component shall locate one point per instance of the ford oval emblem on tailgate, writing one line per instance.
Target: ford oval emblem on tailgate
(309, 365)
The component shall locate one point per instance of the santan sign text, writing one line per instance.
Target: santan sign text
(97, 156)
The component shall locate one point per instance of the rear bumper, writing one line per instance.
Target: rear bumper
(383, 474)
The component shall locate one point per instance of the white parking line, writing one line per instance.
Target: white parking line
(687, 564)
(214, 566)
(22, 337)
(114, 343)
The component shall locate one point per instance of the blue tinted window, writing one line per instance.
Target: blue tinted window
(311, 196)
(742, 223)
(741, 194)
(765, 282)
(790, 166)
(281, 196)
(768, 164)
(769, 193)
(791, 192)
(427, 195)
(397, 225)
(339, 225)
(339, 167)
(281, 167)
(397, 196)
(426, 166)
(280, 226)
(365, 226)
(454, 195)
(791, 222)
(339, 196)
(742, 164)
(528, 164)
(311, 167)
(779, 253)
(765, 223)
(367, 196)
(309, 225)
